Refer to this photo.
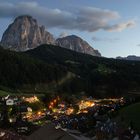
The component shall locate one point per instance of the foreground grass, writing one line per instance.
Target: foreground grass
(4, 93)
(131, 113)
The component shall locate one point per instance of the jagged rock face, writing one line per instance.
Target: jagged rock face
(24, 34)
(77, 44)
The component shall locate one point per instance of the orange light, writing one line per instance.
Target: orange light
(52, 103)
(86, 104)
(69, 111)
(39, 113)
(92, 104)
(85, 111)
(50, 106)
(31, 99)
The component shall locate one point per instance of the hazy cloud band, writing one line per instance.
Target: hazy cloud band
(88, 19)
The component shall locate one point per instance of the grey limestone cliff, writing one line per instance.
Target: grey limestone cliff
(24, 34)
(77, 44)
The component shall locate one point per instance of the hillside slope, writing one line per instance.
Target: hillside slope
(18, 71)
(131, 114)
(51, 68)
(100, 76)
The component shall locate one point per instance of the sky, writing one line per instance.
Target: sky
(110, 26)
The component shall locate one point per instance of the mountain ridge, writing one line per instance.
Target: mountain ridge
(77, 44)
(25, 34)
(129, 57)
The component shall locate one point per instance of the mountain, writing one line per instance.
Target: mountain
(77, 44)
(129, 57)
(24, 34)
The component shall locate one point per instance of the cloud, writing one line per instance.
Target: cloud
(88, 19)
(63, 34)
(121, 26)
(110, 40)
(138, 45)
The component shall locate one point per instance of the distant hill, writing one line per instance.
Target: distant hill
(130, 57)
(52, 69)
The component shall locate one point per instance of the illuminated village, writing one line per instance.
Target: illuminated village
(93, 117)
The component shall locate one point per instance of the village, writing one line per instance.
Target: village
(92, 118)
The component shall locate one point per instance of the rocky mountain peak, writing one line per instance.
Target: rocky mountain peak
(77, 44)
(25, 33)
(25, 17)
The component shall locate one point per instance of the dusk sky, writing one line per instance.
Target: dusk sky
(111, 26)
